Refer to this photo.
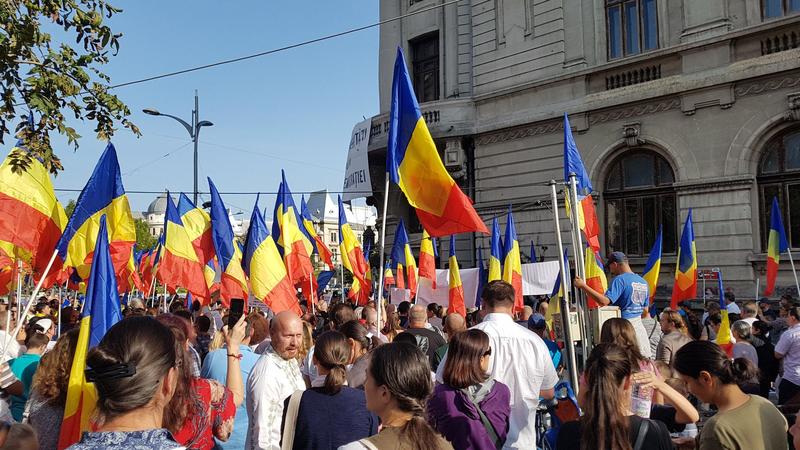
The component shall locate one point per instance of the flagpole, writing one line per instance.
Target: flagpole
(33, 296)
(60, 307)
(383, 246)
(580, 267)
(758, 282)
(19, 291)
(791, 261)
(572, 365)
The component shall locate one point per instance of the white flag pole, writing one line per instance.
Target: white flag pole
(383, 247)
(794, 271)
(572, 366)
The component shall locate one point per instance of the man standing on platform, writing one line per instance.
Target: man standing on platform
(628, 291)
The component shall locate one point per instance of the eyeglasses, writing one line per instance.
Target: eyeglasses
(488, 352)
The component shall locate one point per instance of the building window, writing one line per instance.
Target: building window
(334, 236)
(425, 63)
(632, 27)
(779, 176)
(778, 8)
(639, 198)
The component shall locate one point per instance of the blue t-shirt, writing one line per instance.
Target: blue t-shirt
(215, 367)
(555, 352)
(629, 292)
(23, 367)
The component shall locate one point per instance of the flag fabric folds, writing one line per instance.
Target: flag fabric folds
(685, 287)
(388, 277)
(33, 219)
(653, 266)
(263, 264)
(595, 275)
(533, 252)
(198, 226)
(512, 264)
(100, 311)
(320, 248)
(323, 279)
(724, 333)
(402, 255)
(427, 259)
(456, 291)
(295, 247)
(229, 255)
(180, 264)
(587, 216)
(495, 255)
(413, 163)
(776, 244)
(352, 255)
(103, 194)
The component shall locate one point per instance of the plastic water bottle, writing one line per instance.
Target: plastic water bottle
(641, 400)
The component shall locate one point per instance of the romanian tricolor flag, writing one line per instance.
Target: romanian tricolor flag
(290, 239)
(456, 292)
(653, 266)
(533, 252)
(100, 311)
(263, 264)
(402, 255)
(180, 265)
(595, 276)
(685, 287)
(8, 273)
(776, 245)
(197, 223)
(401, 279)
(512, 265)
(320, 248)
(33, 219)
(210, 274)
(229, 255)
(388, 278)
(413, 163)
(587, 216)
(352, 255)
(496, 253)
(482, 276)
(427, 259)
(360, 294)
(103, 194)
(724, 333)
(149, 266)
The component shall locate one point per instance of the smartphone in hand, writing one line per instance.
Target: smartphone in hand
(236, 311)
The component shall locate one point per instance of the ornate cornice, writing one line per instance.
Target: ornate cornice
(771, 84)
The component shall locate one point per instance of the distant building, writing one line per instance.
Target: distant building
(154, 216)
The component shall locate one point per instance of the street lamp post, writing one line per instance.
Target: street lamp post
(193, 129)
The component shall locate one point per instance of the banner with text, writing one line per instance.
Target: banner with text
(356, 173)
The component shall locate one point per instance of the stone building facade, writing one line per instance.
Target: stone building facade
(674, 104)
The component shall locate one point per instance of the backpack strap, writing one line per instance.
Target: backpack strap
(367, 444)
(289, 423)
(486, 424)
(642, 434)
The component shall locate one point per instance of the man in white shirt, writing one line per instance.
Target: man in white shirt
(788, 349)
(730, 302)
(275, 377)
(519, 359)
(750, 312)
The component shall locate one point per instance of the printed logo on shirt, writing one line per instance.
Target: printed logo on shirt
(639, 294)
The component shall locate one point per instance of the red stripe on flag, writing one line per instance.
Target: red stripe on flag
(458, 216)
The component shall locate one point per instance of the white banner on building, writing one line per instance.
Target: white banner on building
(356, 173)
(539, 278)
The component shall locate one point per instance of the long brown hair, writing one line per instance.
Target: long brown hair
(406, 373)
(140, 342)
(181, 404)
(52, 375)
(604, 425)
(619, 331)
(463, 365)
(333, 353)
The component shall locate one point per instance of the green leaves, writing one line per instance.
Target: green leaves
(51, 77)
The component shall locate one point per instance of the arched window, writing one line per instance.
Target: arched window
(779, 176)
(639, 198)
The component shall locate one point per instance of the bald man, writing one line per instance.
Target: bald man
(453, 324)
(370, 316)
(427, 340)
(275, 376)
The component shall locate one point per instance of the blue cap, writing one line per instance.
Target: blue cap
(536, 322)
(617, 257)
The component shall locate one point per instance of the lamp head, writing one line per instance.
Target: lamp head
(151, 111)
(204, 123)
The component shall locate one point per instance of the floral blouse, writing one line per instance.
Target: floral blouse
(159, 439)
(211, 416)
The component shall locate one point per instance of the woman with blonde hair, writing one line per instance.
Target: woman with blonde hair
(619, 331)
(675, 336)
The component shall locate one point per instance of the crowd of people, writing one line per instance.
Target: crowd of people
(425, 380)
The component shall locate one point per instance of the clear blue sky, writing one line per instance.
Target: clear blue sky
(292, 110)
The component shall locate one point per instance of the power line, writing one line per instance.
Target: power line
(281, 49)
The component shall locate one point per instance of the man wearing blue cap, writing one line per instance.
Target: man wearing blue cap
(628, 291)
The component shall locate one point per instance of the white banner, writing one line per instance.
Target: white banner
(441, 295)
(539, 278)
(356, 173)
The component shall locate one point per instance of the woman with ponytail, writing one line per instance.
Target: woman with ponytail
(742, 421)
(608, 423)
(330, 413)
(397, 388)
(361, 341)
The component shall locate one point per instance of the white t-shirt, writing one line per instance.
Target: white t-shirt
(733, 308)
(789, 346)
(520, 360)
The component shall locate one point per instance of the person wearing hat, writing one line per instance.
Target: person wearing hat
(628, 291)
(538, 324)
